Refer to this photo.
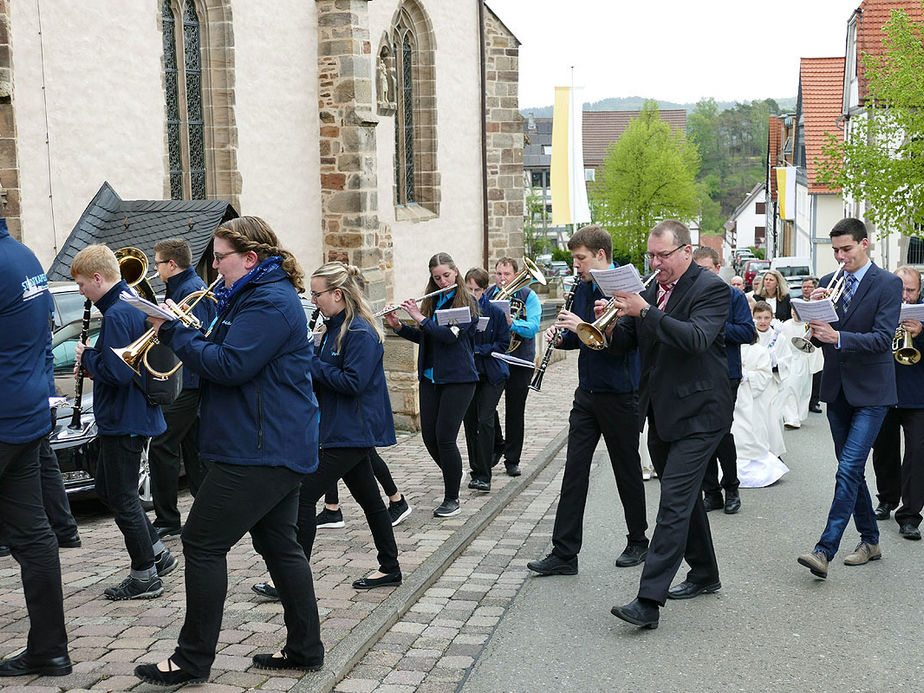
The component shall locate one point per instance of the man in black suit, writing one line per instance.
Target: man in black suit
(678, 326)
(858, 385)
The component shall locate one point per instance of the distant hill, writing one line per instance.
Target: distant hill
(635, 103)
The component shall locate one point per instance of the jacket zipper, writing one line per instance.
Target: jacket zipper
(259, 416)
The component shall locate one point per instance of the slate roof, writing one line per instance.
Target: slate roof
(118, 223)
(873, 15)
(533, 156)
(602, 128)
(821, 89)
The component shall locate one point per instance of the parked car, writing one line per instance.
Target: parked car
(558, 268)
(739, 257)
(794, 269)
(753, 268)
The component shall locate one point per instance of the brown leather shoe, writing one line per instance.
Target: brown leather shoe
(864, 553)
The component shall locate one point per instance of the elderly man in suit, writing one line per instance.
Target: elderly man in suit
(678, 326)
(858, 384)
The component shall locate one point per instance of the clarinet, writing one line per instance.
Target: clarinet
(78, 390)
(536, 383)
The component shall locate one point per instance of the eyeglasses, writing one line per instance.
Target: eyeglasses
(160, 262)
(315, 294)
(663, 256)
(221, 256)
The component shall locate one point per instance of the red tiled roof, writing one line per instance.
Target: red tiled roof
(602, 128)
(874, 14)
(821, 81)
(774, 155)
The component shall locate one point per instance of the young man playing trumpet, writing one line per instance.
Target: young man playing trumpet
(605, 403)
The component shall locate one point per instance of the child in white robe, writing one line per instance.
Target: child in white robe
(768, 335)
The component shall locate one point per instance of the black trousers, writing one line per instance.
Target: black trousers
(54, 497)
(515, 391)
(816, 389)
(33, 545)
(615, 417)
(177, 445)
(382, 475)
(479, 427)
(354, 467)
(682, 529)
(441, 410)
(901, 477)
(233, 500)
(117, 485)
(725, 455)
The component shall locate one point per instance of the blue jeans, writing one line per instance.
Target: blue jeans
(854, 430)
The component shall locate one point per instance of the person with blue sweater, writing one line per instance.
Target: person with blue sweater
(492, 374)
(125, 420)
(178, 444)
(509, 440)
(445, 370)
(24, 423)
(605, 404)
(259, 434)
(739, 329)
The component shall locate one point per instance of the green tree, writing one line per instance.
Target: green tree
(648, 175)
(881, 161)
(535, 224)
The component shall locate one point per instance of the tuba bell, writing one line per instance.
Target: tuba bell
(521, 279)
(133, 266)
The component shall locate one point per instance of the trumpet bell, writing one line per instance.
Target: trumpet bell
(591, 335)
(907, 356)
(802, 344)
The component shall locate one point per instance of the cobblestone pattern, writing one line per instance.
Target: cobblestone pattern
(108, 639)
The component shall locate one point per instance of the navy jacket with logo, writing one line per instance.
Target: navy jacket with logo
(349, 381)
(179, 286)
(496, 337)
(257, 404)
(452, 351)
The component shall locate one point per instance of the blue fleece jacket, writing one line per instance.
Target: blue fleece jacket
(496, 337)
(350, 384)
(24, 323)
(257, 405)
(119, 405)
(179, 286)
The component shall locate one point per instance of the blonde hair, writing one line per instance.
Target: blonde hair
(782, 286)
(96, 259)
(463, 297)
(349, 280)
(246, 234)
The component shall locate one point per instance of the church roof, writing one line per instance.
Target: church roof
(117, 223)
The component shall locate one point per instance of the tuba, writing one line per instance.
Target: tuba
(133, 266)
(903, 348)
(521, 279)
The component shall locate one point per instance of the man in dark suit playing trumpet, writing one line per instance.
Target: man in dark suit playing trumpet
(678, 326)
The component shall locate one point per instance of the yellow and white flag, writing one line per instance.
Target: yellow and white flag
(786, 191)
(569, 191)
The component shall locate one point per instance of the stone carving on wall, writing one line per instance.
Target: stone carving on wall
(385, 81)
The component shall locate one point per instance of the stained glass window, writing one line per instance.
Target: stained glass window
(404, 121)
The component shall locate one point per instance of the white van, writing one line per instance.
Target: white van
(794, 269)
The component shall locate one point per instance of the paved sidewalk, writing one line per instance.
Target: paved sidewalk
(108, 639)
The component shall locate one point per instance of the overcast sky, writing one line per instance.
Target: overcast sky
(674, 50)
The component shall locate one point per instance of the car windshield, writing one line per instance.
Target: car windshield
(68, 307)
(64, 345)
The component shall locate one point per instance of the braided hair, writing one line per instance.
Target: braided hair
(246, 234)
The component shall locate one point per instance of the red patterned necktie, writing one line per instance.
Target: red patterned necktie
(664, 293)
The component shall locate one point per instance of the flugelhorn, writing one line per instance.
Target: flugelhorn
(903, 348)
(386, 311)
(835, 289)
(526, 276)
(135, 355)
(593, 335)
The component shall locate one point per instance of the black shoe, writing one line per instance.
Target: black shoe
(638, 613)
(479, 485)
(387, 580)
(553, 565)
(265, 661)
(885, 510)
(398, 511)
(330, 519)
(815, 408)
(71, 542)
(265, 589)
(149, 673)
(23, 665)
(513, 469)
(713, 501)
(167, 531)
(448, 508)
(909, 531)
(165, 563)
(133, 588)
(4, 550)
(633, 554)
(688, 589)
(732, 502)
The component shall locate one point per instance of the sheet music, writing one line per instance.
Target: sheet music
(150, 309)
(455, 316)
(513, 360)
(624, 279)
(503, 305)
(483, 323)
(912, 311)
(821, 310)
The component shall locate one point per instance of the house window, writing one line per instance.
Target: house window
(760, 208)
(183, 87)
(915, 251)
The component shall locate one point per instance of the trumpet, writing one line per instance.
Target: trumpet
(593, 334)
(135, 355)
(386, 311)
(903, 348)
(835, 289)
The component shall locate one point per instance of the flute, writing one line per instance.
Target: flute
(386, 311)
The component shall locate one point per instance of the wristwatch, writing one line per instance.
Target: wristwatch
(643, 312)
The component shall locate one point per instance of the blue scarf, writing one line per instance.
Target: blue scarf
(226, 293)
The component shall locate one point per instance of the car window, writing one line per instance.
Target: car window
(68, 307)
(794, 271)
(65, 347)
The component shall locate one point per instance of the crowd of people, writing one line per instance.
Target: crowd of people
(271, 416)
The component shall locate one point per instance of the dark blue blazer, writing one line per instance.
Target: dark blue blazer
(496, 337)
(179, 286)
(739, 329)
(349, 381)
(864, 366)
